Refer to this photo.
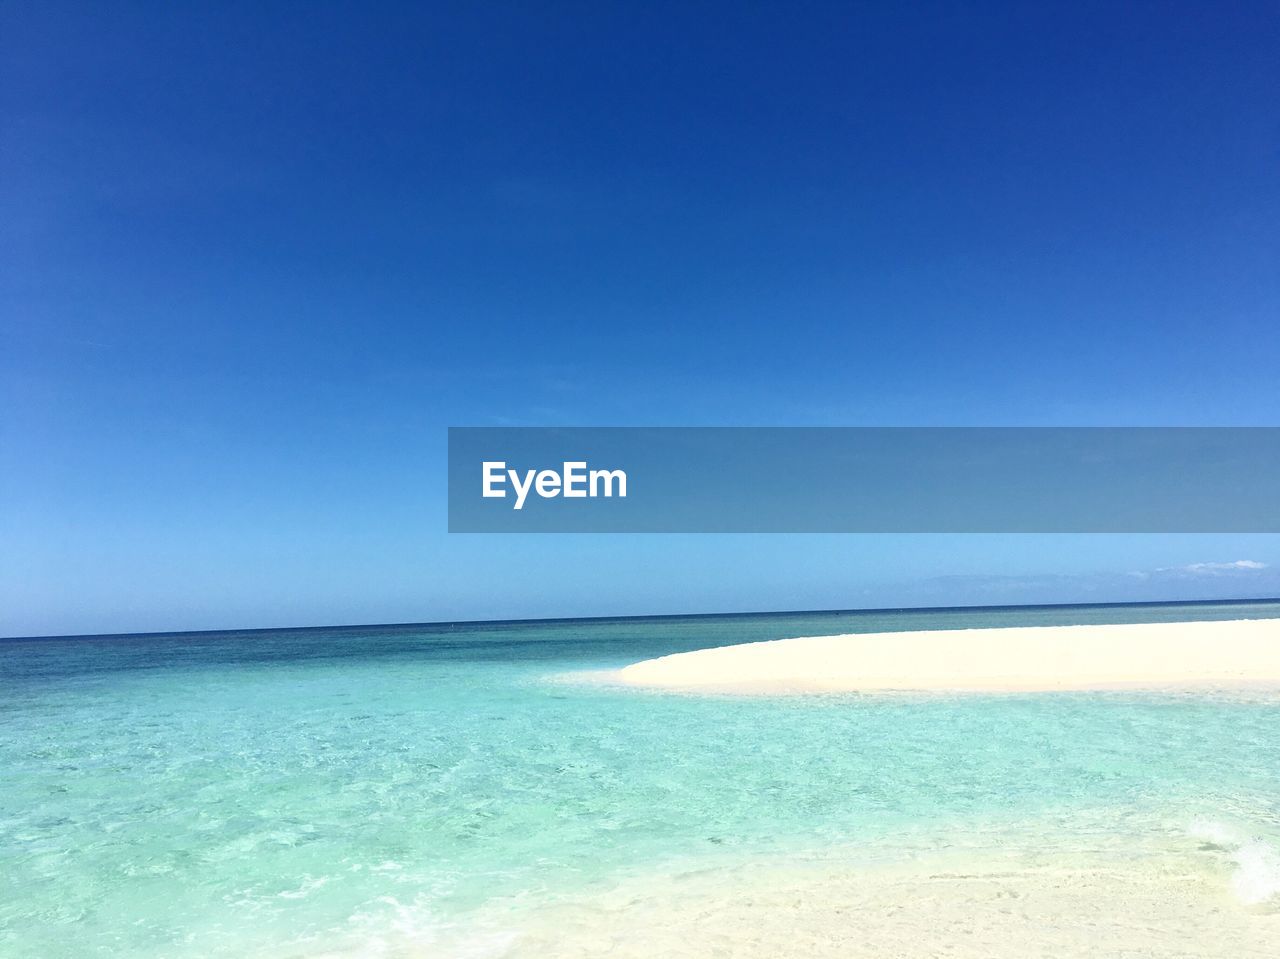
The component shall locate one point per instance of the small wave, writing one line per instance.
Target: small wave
(1256, 878)
(387, 927)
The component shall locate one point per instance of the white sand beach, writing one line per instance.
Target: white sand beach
(1099, 907)
(1230, 654)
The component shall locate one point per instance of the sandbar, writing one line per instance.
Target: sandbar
(1227, 654)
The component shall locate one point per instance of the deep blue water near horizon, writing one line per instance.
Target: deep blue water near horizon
(361, 790)
(576, 635)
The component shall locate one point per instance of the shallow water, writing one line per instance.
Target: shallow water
(439, 790)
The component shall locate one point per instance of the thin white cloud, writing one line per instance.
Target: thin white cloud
(1212, 569)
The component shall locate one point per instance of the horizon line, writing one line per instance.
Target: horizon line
(644, 616)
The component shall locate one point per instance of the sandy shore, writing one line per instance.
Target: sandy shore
(1233, 654)
(982, 910)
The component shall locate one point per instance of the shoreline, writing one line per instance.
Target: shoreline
(1231, 654)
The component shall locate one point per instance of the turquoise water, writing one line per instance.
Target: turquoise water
(372, 791)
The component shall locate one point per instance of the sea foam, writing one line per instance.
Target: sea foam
(1256, 878)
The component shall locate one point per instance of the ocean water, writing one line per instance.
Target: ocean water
(447, 791)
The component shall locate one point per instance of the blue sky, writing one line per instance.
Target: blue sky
(258, 257)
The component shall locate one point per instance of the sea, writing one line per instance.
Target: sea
(482, 790)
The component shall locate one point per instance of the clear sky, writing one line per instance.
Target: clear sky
(255, 258)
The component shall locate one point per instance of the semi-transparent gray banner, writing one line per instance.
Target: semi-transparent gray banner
(864, 480)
